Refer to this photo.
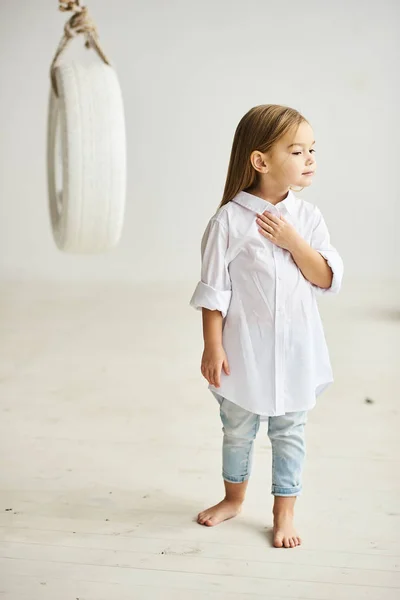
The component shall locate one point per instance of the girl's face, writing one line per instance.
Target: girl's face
(292, 158)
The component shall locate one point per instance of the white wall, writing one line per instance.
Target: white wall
(189, 71)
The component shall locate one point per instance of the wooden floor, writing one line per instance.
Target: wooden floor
(110, 445)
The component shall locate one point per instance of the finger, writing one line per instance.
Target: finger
(265, 225)
(275, 219)
(266, 234)
(226, 367)
(216, 378)
(272, 225)
(270, 216)
(269, 236)
(264, 218)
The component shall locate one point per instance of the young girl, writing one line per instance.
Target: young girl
(265, 255)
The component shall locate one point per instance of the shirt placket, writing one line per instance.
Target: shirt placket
(279, 330)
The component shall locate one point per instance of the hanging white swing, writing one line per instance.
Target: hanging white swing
(86, 144)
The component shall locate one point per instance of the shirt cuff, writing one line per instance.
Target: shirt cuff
(208, 297)
(336, 264)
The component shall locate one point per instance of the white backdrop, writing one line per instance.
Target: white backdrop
(189, 71)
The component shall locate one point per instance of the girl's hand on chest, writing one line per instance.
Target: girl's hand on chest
(276, 229)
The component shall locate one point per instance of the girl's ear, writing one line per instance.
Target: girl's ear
(258, 162)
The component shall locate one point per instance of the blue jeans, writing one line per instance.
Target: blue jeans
(286, 433)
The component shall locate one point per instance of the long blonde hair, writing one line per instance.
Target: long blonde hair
(259, 129)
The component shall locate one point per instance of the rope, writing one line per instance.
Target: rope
(79, 23)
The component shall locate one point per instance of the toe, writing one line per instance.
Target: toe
(286, 543)
(292, 542)
(202, 517)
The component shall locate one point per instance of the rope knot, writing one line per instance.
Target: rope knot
(70, 6)
(79, 23)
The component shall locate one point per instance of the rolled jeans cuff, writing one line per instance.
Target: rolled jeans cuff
(282, 491)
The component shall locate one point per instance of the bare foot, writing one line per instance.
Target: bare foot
(285, 535)
(220, 512)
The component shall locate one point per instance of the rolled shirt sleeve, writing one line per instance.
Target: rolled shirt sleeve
(320, 241)
(214, 290)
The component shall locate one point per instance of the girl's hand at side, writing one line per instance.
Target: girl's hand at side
(213, 360)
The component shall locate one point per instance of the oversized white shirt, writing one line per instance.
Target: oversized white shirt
(272, 331)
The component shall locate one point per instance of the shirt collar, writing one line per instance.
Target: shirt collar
(259, 205)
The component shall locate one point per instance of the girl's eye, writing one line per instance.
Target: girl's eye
(296, 153)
